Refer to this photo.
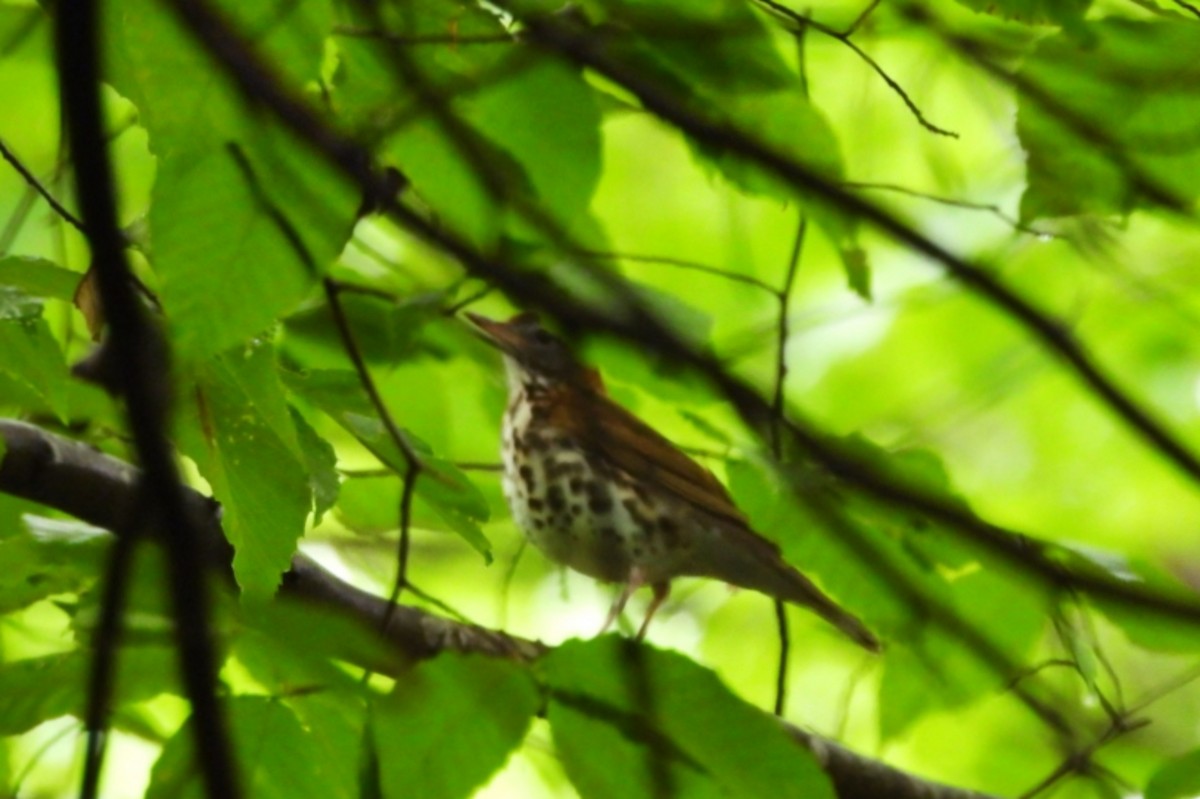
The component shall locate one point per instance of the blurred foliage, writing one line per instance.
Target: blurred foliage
(1052, 144)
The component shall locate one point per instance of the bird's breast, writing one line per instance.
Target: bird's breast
(580, 511)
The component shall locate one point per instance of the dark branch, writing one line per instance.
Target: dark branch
(140, 367)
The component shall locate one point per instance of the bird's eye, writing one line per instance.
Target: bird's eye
(542, 337)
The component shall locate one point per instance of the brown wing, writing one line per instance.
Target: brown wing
(626, 442)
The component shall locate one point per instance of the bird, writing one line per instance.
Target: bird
(600, 491)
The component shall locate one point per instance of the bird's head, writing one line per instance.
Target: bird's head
(532, 354)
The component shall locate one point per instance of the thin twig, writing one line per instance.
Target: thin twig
(781, 335)
(990, 208)
(412, 460)
(506, 582)
(470, 299)
(861, 18)
(681, 263)
(1081, 761)
(406, 39)
(844, 38)
(479, 467)
(784, 296)
(35, 184)
(433, 601)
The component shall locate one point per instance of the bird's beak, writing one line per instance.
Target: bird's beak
(499, 334)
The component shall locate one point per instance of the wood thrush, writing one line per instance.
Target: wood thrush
(598, 490)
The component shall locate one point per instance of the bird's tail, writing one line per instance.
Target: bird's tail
(750, 561)
(795, 587)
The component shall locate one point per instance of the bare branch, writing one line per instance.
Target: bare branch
(413, 463)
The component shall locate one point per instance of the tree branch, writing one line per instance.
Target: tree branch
(75, 479)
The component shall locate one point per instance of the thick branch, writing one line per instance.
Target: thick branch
(80, 481)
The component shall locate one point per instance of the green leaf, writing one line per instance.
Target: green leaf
(441, 486)
(266, 633)
(1112, 122)
(38, 277)
(34, 690)
(243, 217)
(48, 557)
(38, 689)
(320, 460)
(1178, 778)
(625, 715)
(239, 431)
(372, 96)
(563, 167)
(788, 125)
(29, 353)
(712, 48)
(893, 570)
(386, 332)
(466, 169)
(443, 178)
(276, 755)
(1068, 13)
(450, 723)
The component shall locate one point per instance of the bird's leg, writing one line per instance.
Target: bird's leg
(635, 581)
(661, 591)
(618, 605)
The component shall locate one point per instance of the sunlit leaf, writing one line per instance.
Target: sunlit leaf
(38, 689)
(276, 756)
(320, 460)
(243, 218)
(1068, 13)
(38, 277)
(28, 351)
(1111, 126)
(450, 723)
(239, 430)
(918, 585)
(1178, 778)
(48, 557)
(646, 721)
